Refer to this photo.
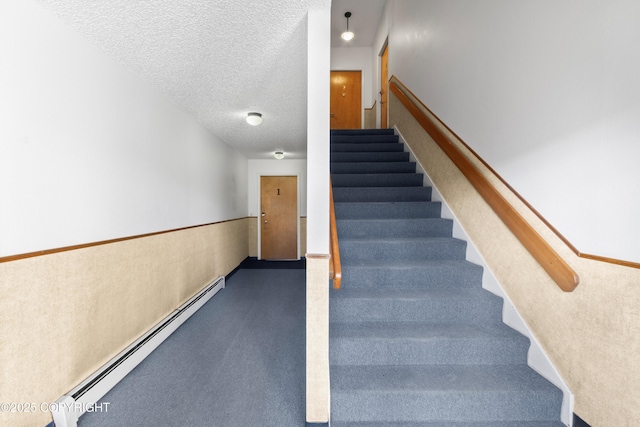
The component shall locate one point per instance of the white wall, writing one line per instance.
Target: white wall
(88, 152)
(318, 72)
(354, 59)
(258, 167)
(546, 92)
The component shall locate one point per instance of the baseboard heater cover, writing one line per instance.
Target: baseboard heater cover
(68, 408)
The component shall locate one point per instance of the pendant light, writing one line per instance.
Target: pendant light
(347, 35)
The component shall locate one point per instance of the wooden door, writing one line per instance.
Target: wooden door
(279, 217)
(346, 99)
(384, 87)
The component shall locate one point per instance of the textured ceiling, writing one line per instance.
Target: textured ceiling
(217, 60)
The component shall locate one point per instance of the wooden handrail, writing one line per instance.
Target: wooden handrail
(10, 258)
(334, 265)
(565, 277)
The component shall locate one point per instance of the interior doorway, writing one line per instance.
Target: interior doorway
(278, 218)
(346, 100)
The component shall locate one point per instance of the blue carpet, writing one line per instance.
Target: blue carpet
(414, 339)
(238, 361)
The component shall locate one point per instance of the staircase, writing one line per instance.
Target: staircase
(414, 339)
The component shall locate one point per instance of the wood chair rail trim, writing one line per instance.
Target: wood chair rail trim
(103, 242)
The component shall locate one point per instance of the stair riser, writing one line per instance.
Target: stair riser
(399, 351)
(337, 157)
(381, 194)
(375, 210)
(377, 180)
(362, 132)
(429, 249)
(415, 310)
(443, 406)
(363, 139)
(372, 147)
(410, 278)
(429, 227)
(373, 167)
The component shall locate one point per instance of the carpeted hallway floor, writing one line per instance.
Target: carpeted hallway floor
(238, 361)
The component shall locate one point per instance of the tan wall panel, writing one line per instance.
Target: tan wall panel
(303, 235)
(317, 348)
(64, 315)
(253, 236)
(370, 117)
(592, 335)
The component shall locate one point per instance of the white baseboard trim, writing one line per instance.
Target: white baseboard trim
(83, 398)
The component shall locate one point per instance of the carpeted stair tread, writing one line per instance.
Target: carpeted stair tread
(448, 424)
(421, 331)
(436, 305)
(376, 180)
(430, 294)
(380, 228)
(373, 167)
(442, 393)
(366, 147)
(422, 274)
(401, 248)
(417, 343)
(364, 156)
(439, 377)
(369, 210)
(381, 194)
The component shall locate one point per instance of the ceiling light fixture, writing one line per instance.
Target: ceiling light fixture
(254, 119)
(279, 155)
(347, 35)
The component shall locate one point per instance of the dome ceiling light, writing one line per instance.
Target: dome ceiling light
(254, 119)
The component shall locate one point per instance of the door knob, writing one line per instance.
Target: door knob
(263, 214)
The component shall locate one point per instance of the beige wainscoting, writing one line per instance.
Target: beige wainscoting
(317, 333)
(591, 334)
(253, 236)
(370, 117)
(64, 315)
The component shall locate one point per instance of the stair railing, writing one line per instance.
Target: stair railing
(564, 276)
(335, 269)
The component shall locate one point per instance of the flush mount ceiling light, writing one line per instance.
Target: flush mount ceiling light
(254, 119)
(347, 35)
(279, 155)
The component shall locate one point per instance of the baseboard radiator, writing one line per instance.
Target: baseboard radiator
(72, 405)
